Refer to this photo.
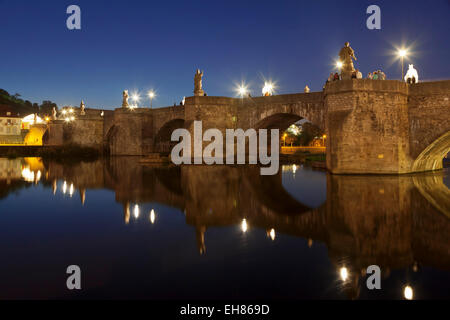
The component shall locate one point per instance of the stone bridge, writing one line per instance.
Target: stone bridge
(372, 126)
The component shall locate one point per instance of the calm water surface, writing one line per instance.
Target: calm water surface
(219, 232)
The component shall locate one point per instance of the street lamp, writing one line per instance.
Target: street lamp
(151, 95)
(135, 97)
(242, 91)
(402, 54)
(339, 65)
(267, 90)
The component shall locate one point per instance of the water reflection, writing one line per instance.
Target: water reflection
(396, 222)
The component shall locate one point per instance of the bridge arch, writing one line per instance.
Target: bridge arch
(431, 157)
(280, 121)
(162, 142)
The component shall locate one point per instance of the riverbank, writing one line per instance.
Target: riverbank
(315, 160)
(73, 152)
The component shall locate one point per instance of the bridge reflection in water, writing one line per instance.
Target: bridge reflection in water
(392, 221)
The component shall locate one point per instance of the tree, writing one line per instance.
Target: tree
(46, 107)
(309, 132)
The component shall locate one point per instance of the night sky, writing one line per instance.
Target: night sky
(142, 45)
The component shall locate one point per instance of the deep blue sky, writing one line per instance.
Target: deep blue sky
(159, 44)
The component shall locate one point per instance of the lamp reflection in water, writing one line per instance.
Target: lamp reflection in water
(271, 234)
(408, 293)
(152, 216)
(343, 272)
(54, 187)
(64, 187)
(136, 211)
(71, 190)
(27, 175)
(31, 176)
(244, 225)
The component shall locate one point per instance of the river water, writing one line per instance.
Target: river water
(219, 232)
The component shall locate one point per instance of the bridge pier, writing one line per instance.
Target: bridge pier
(367, 126)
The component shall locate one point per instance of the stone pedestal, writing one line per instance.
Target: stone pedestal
(199, 93)
(346, 75)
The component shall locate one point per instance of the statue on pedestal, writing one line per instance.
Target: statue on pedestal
(346, 55)
(198, 91)
(125, 99)
(54, 113)
(82, 107)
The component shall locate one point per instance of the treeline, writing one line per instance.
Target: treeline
(305, 137)
(25, 107)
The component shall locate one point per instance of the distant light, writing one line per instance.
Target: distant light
(343, 273)
(152, 216)
(272, 234)
(402, 53)
(339, 64)
(72, 118)
(70, 110)
(268, 88)
(151, 94)
(67, 119)
(408, 293)
(244, 225)
(136, 211)
(324, 136)
(294, 168)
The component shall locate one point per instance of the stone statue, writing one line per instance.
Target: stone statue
(346, 55)
(125, 99)
(54, 113)
(198, 90)
(82, 107)
(306, 90)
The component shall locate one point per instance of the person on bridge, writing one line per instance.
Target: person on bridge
(358, 74)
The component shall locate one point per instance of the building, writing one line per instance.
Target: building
(10, 126)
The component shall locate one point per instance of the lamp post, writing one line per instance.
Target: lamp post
(402, 53)
(151, 95)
